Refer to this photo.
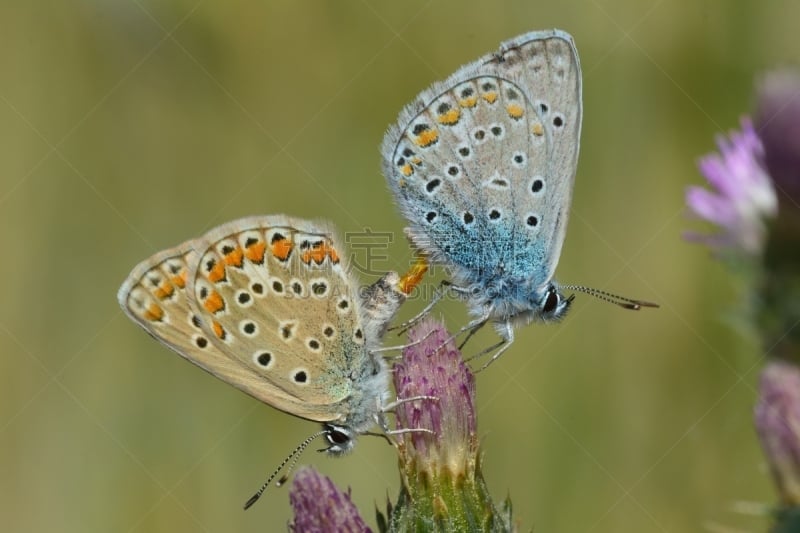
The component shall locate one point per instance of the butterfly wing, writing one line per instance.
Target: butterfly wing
(154, 296)
(483, 164)
(273, 294)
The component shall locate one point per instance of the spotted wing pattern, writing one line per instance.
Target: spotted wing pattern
(482, 165)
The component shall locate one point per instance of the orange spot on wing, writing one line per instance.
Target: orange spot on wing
(468, 102)
(235, 257)
(282, 248)
(490, 97)
(318, 252)
(515, 111)
(217, 272)
(180, 280)
(164, 291)
(219, 331)
(537, 130)
(414, 276)
(214, 303)
(427, 138)
(333, 255)
(407, 170)
(255, 252)
(154, 313)
(449, 118)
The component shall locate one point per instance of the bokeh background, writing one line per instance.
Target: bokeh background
(129, 126)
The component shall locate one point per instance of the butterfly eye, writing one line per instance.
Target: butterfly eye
(551, 302)
(338, 437)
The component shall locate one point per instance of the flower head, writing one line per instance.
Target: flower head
(743, 195)
(319, 506)
(777, 120)
(432, 366)
(777, 419)
(778, 123)
(442, 486)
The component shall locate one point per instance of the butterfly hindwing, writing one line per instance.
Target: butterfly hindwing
(154, 296)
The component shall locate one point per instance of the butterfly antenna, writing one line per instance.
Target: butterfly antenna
(293, 457)
(625, 303)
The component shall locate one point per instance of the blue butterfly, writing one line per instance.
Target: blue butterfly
(482, 166)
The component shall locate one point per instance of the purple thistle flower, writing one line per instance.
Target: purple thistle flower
(756, 177)
(319, 506)
(441, 374)
(442, 485)
(778, 123)
(777, 419)
(743, 197)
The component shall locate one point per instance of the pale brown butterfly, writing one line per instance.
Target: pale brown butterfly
(267, 304)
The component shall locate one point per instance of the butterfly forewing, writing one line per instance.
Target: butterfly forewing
(273, 294)
(546, 64)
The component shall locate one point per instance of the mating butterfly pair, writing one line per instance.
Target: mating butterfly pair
(481, 165)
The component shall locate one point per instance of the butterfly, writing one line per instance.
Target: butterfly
(267, 304)
(482, 166)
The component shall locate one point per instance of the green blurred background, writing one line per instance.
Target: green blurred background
(129, 126)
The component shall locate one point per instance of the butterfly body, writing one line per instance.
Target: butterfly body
(482, 166)
(267, 304)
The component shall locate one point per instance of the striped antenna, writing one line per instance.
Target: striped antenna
(625, 303)
(293, 457)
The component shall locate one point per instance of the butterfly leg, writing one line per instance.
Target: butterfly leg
(388, 433)
(473, 326)
(444, 288)
(472, 331)
(389, 408)
(505, 343)
(402, 346)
